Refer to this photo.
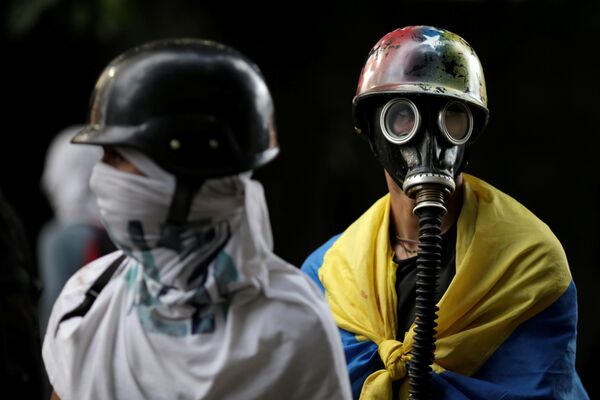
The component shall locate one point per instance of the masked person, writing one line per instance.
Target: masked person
(194, 304)
(506, 324)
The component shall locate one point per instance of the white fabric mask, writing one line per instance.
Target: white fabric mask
(124, 198)
(173, 260)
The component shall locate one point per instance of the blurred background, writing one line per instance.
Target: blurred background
(540, 62)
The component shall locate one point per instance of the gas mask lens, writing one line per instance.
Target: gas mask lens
(456, 122)
(399, 120)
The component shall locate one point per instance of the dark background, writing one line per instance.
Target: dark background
(540, 62)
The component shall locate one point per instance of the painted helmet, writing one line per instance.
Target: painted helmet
(419, 60)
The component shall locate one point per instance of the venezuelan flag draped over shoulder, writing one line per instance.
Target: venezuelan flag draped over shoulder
(507, 322)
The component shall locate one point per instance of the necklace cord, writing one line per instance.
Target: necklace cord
(402, 242)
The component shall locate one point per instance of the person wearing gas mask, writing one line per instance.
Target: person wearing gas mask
(446, 288)
(194, 304)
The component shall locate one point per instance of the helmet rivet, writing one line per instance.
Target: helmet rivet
(175, 144)
(213, 143)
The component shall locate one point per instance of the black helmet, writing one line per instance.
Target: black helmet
(199, 109)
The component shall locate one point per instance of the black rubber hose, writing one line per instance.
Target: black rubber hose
(428, 267)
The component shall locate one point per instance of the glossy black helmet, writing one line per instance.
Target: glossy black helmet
(197, 108)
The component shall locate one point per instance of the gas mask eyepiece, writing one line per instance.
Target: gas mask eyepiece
(400, 120)
(456, 122)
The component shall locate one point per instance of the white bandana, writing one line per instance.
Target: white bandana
(173, 262)
(207, 313)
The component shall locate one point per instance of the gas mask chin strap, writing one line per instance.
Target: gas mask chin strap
(179, 210)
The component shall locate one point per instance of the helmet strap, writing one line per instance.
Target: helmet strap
(185, 190)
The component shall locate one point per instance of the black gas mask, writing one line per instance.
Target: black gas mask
(422, 139)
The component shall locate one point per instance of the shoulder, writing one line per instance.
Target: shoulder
(66, 242)
(294, 298)
(80, 282)
(85, 276)
(492, 219)
(500, 213)
(292, 320)
(315, 260)
(74, 290)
